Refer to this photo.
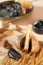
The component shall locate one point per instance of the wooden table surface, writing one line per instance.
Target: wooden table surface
(36, 14)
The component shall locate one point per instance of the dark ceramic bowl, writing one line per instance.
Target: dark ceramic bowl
(5, 15)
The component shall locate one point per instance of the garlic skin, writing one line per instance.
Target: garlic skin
(15, 38)
(1, 1)
(39, 37)
(1, 23)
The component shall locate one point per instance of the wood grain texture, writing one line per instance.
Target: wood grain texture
(31, 17)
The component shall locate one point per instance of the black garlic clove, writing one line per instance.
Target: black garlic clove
(22, 43)
(30, 45)
(38, 26)
(12, 53)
